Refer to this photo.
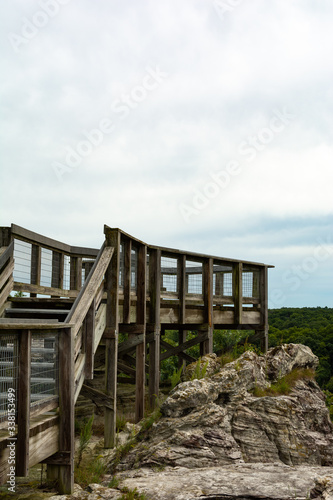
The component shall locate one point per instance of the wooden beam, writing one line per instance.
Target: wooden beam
(182, 355)
(127, 249)
(66, 409)
(207, 346)
(96, 396)
(23, 403)
(154, 320)
(44, 290)
(111, 343)
(173, 351)
(237, 286)
(141, 320)
(130, 344)
(89, 341)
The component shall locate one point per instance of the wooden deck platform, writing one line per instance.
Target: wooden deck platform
(77, 299)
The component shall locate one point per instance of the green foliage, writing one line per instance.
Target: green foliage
(128, 494)
(311, 326)
(90, 471)
(114, 483)
(199, 372)
(85, 436)
(285, 384)
(176, 376)
(120, 422)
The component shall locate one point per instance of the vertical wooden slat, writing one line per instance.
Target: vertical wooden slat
(141, 320)
(75, 273)
(66, 409)
(55, 269)
(181, 263)
(127, 281)
(89, 342)
(154, 319)
(263, 292)
(36, 261)
(23, 403)
(219, 279)
(237, 286)
(112, 328)
(207, 345)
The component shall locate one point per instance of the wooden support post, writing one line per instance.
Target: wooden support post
(237, 287)
(141, 320)
(23, 404)
(36, 260)
(263, 292)
(66, 409)
(55, 279)
(154, 318)
(75, 273)
(89, 341)
(206, 347)
(127, 248)
(111, 335)
(219, 279)
(181, 263)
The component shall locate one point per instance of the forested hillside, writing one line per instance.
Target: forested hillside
(312, 326)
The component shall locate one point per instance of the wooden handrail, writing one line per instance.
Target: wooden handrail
(88, 292)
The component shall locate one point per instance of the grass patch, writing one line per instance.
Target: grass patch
(128, 494)
(90, 471)
(285, 384)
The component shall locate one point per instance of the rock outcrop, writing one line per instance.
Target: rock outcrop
(218, 421)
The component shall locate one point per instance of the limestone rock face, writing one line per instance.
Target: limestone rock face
(217, 421)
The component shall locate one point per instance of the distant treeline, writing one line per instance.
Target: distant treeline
(311, 326)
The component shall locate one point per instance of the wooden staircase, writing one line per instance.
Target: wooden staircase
(77, 299)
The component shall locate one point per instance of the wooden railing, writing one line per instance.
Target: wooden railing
(45, 266)
(126, 287)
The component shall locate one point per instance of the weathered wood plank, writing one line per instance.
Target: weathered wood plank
(154, 326)
(237, 289)
(100, 323)
(89, 341)
(173, 351)
(6, 254)
(96, 396)
(66, 409)
(111, 343)
(88, 292)
(129, 345)
(23, 403)
(7, 273)
(44, 290)
(6, 291)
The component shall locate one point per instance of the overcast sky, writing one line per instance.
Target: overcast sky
(195, 124)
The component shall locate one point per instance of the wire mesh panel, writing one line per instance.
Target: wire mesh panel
(44, 367)
(194, 277)
(250, 282)
(46, 267)
(222, 280)
(22, 257)
(8, 371)
(169, 274)
(66, 282)
(134, 269)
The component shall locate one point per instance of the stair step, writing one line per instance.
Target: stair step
(36, 313)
